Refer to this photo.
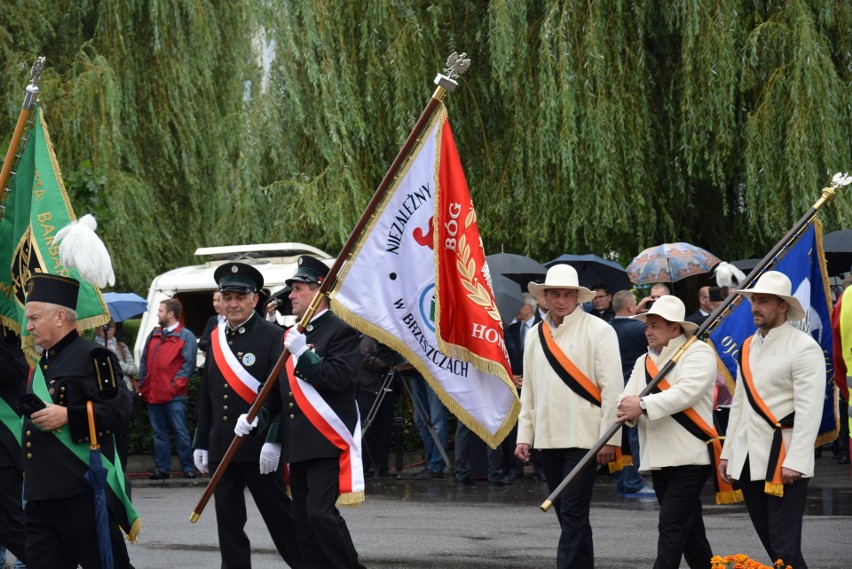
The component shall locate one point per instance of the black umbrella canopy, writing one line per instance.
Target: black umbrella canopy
(746, 265)
(838, 251)
(507, 293)
(519, 268)
(592, 270)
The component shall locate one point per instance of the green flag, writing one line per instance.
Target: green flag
(37, 208)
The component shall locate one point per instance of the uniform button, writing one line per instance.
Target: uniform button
(29, 444)
(291, 404)
(62, 388)
(225, 396)
(29, 455)
(230, 342)
(225, 418)
(290, 393)
(29, 433)
(44, 367)
(226, 386)
(224, 407)
(292, 416)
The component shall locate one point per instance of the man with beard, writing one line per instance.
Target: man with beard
(775, 417)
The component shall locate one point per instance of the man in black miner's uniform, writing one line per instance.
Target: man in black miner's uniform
(60, 511)
(13, 382)
(242, 352)
(325, 359)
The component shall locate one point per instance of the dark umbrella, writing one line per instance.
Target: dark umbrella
(746, 265)
(838, 251)
(517, 267)
(124, 305)
(592, 270)
(507, 293)
(96, 477)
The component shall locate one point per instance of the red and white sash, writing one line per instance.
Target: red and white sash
(243, 383)
(326, 421)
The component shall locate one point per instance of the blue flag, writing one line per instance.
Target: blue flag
(804, 265)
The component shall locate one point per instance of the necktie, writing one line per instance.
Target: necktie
(524, 327)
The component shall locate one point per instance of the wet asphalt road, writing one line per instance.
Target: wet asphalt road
(438, 524)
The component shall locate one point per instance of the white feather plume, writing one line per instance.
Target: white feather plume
(80, 248)
(727, 275)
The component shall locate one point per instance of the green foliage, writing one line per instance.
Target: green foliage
(601, 127)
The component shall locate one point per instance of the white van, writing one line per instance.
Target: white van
(194, 286)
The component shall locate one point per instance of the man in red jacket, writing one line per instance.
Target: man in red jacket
(168, 361)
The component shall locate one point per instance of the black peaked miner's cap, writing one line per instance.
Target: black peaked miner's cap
(311, 270)
(53, 289)
(238, 277)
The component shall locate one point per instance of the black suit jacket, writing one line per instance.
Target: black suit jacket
(13, 383)
(632, 342)
(330, 368)
(257, 344)
(514, 345)
(76, 370)
(697, 318)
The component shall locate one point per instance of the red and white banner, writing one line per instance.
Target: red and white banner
(417, 281)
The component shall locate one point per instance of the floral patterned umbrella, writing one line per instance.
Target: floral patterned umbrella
(670, 262)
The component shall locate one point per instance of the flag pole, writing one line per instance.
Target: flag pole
(16, 147)
(456, 65)
(778, 251)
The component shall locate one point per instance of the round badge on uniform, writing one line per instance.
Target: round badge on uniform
(234, 268)
(249, 359)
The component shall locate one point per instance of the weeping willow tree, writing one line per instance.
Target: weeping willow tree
(584, 126)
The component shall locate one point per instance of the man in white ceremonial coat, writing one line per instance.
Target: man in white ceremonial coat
(671, 452)
(775, 417)
(572, 380)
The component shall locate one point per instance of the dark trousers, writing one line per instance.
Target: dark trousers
(61, 534)
(272, 502)
(12, 534)
(681, 527)
(377, 437)
(324, 539)
(777, 521)
(575, 549)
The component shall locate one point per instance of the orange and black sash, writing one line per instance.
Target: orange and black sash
(576, 381)
(690, 420)
(774, 483)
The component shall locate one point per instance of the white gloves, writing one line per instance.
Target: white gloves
(200, 458)
(295, 342)
(243, 427)
(270, 456)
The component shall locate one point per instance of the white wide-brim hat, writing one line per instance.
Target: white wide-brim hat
(671, 309)
(777, 284)
(561, 276)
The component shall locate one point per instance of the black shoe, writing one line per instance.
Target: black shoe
(386, 474)
(427, 473)
(498, 482)
(157, 475)
(189, 474)
(843, 459)
(464, 481)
